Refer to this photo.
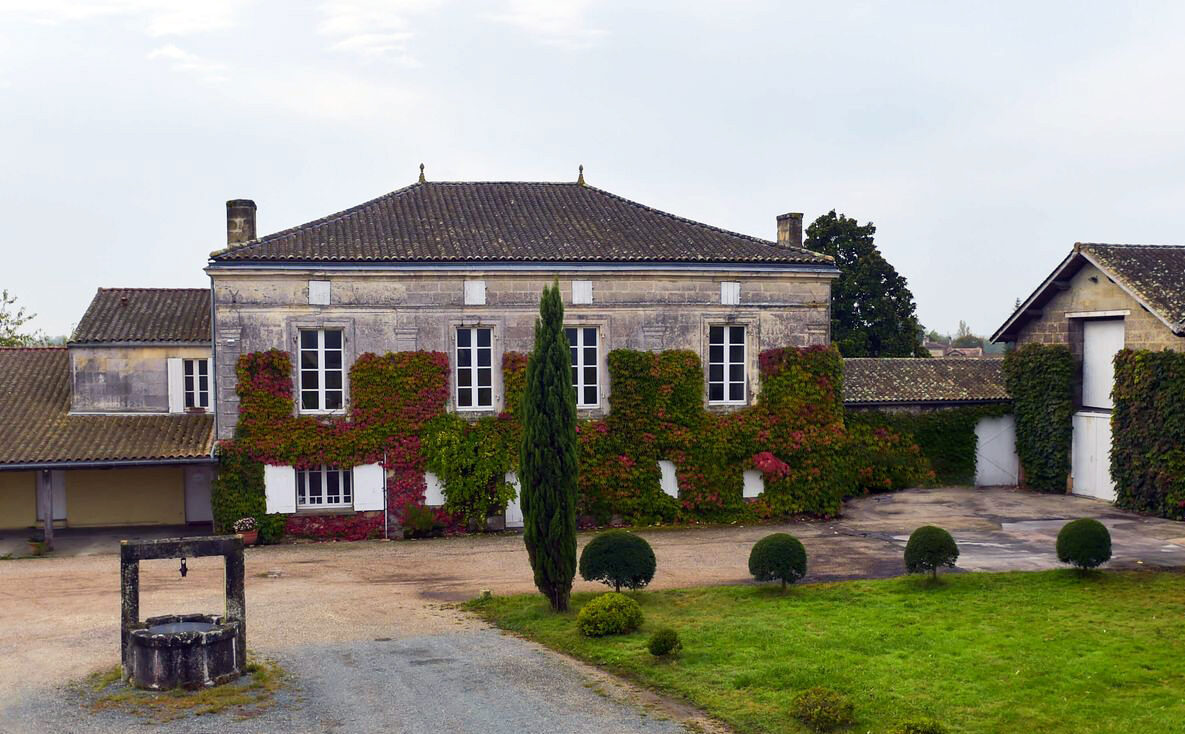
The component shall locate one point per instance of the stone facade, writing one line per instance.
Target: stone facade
(125, 378)
(1090, 290)
(402, 309)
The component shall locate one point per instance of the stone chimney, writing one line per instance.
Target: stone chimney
(790, 229)
(240, 221)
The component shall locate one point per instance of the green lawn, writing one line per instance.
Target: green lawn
(1006, 652)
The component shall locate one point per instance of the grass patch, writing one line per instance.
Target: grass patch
(980, 652)
(245, 697)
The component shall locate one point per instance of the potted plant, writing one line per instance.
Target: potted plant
(37, 546)
(248, 528)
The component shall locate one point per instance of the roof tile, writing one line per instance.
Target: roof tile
(146, 315)
(920, 380)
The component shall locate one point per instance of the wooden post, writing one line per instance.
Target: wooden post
(45, 492)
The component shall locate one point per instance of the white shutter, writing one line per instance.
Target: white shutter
(514, 508)
(730, 293)
(475, 293)
(368, 486)
(582, 291)
(319, 292)
(176, 385)
(434, 494)
(670, 480)
(754, 484)
(1100, 341)
(279, 488)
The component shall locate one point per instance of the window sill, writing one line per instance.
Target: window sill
(324, 510)
(343, 411)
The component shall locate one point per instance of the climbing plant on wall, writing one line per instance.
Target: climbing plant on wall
(1148, 432)
(1040, 378)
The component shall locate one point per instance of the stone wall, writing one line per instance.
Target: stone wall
(124, 379)
(1142, 330)
(384, 311)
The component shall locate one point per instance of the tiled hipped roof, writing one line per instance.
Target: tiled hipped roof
(919, 380)
(1154, 274)
(36, 427)
(509, 222)
(146, 315)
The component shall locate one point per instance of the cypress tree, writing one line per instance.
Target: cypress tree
(547, 466)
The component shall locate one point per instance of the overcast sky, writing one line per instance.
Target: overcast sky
(983, 139)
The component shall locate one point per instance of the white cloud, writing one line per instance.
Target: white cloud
(560, 23)
(374, 29)
(157, 17)
(188, 63)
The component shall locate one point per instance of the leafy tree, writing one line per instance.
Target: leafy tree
(965, 338)
(933, 336)
(11, 322)
(547, 466)
(872, 311)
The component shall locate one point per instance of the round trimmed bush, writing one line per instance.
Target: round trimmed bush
(920, 726)
(610, 613)
(618, 558)
(822, 709)
(928, 548)
(778, 557)
(664, 641)
(1084, 544)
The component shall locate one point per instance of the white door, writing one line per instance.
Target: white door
(56, 479)
(996, 462)
(1091, 456)
(514, 510)
(197, 494)
(1101, 339)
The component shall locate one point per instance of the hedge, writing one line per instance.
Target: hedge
(1148, 432)
(1040, 378)
(946, 436)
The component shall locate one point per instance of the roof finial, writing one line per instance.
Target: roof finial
(422, 179)
(580, 178)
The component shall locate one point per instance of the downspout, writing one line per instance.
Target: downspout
(213, 364)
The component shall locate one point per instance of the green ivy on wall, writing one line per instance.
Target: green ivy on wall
(1148, 432)
(1040, 378)
(946, 436)
(794, 434)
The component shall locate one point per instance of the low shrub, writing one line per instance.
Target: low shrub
(778, 557)
(421, 522)
(610, 613)
(1084, 543)
(664, 641)
(271, 528)
(822, 709)
(920, 726)
(928, 548)
(618, 558)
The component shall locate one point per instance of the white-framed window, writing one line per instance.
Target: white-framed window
(196, 383)
(582, 341)
(475, 371)
(726, 364)
(324, 486)
(322, 376)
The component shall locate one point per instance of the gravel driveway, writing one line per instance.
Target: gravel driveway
(319, 609)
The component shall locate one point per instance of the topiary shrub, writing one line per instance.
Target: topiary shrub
(928, 548)
(778, 557)
(920, 726)
(618, 558)
(822, 709)
(1084, 544)
(610, 613)
(664, 641)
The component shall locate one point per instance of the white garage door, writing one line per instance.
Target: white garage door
(1091, 456)
(996, 463)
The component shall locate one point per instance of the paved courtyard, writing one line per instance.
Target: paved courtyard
(367, 631)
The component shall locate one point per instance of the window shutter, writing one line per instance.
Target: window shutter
(279, 488)
(669, 481)
(582, 291)
(730, 293)
(754, 485)
(434, 494)
(176, 386)
(368, 486)
(475, 293)
(319, 292)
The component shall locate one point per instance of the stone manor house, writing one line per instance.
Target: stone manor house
(119, 425)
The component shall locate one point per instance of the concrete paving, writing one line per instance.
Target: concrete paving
(96, 541)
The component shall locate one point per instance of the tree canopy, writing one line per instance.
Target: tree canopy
(872, 310)
(12, 319)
